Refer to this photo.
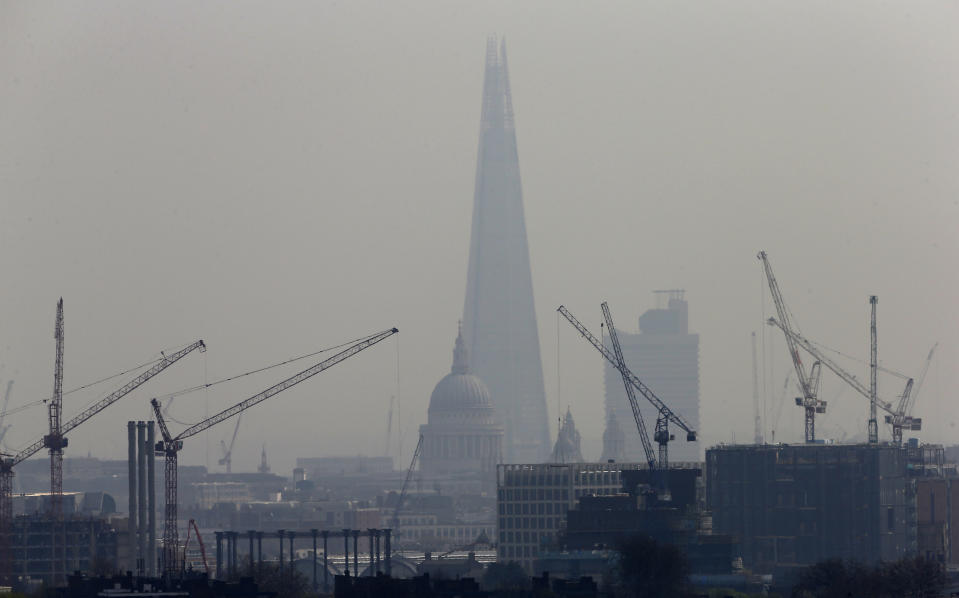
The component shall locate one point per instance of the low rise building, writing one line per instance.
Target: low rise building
(533, 501)
(91, 544)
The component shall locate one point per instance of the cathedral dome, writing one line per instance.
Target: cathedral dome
(460, 389)
(462, 435)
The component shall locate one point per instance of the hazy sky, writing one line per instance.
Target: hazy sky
(275, 178)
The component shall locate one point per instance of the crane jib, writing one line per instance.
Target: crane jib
(647, 393)
(110, 399)
(285, 384)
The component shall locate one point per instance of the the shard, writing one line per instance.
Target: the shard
(499, 318)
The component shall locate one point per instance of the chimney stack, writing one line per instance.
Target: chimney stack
(141, 498)
(151, 500)
(132, 503)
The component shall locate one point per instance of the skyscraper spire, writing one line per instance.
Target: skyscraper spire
(499, 318)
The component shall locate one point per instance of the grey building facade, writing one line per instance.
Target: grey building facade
(792, 506)
(533, 501)
(499, 318)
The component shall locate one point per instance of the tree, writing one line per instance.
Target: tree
(286, 582)
(648, 569)
(508, 576)
(913, 577)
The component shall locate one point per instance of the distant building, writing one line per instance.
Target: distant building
(792, 506)
(614, 440)
(603, 522)
(318, 467)
(499, 316)
(566, 449)
(533, 501)
(463, 434)
(91, 543)
(665, 356)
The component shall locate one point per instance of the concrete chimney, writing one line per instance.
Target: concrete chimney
(151, 500)
(141, 497)
(132, 508)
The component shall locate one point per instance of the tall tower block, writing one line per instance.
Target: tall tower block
(499, 319)
(665, 355)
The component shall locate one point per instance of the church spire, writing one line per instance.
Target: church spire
(461, 361)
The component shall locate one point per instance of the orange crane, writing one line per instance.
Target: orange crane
(7, 462)
(171, 446)
(199, 540)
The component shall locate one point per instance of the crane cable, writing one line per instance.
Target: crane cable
(79, 388)
(861, 361)
(188, 390)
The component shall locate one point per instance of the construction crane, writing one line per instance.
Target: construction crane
(808, 383)
(6, 403)
(406, 482)
(757, 421)
(7, 463)
(902, 418)
(666, 414)
(199, 540)
(631, 395)
(55, 440)
(873, 380)
(228, 451)
(830, 364)
(171, 446)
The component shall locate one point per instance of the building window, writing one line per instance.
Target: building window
(891, 518)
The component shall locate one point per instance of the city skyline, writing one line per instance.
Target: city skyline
(328, 198)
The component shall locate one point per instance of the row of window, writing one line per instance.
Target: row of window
(535, 538)
(516, 552)
(527, 508)
(462, 533)
(462, 446)
(529, 522)
(511, 494)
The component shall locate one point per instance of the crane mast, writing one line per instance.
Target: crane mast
(757, 421)
(228, 451)
(406, 482)
(810, 402)
(873, 380)
(666, 414)
(631, 395)
(170, 446)
(55, 442)
(902, 418)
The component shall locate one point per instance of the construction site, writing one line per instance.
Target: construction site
(773, 507)
(57, 539)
